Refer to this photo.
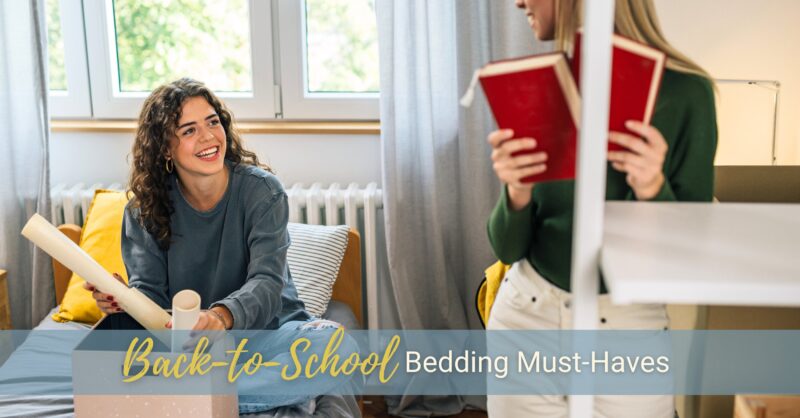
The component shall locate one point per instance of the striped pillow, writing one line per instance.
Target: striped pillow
(314, 258)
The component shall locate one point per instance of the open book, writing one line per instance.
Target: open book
(636, 75)
(537, 97)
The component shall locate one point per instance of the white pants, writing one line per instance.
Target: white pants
(527, 301)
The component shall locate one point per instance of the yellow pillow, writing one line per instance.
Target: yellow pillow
(101, 238)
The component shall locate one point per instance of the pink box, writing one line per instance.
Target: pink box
(97, 373)
(152, 406)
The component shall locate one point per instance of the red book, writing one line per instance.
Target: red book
(537, 97)
(635, 79)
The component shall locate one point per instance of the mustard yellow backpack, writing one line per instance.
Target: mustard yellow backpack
(487, 290)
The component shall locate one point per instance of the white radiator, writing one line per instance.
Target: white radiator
(71, 203)
(353, 206)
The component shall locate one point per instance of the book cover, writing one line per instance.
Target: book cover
(537, 97)
(636, 75)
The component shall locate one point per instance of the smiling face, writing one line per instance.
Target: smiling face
(541, 17)
(198, 148)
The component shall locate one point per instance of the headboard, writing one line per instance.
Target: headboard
(347, 288)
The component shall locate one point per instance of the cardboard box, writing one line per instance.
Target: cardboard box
(98, 364)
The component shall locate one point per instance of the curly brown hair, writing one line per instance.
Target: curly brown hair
(149, 181)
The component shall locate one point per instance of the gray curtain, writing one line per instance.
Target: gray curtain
(24, 165)
(437, 176)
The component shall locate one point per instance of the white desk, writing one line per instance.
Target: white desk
(710, 254)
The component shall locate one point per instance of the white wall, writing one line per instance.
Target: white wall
(102, 158)
(744, 39)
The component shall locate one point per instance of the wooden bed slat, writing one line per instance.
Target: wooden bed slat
(61, 274)
(347, 287)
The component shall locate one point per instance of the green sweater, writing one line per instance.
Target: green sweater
(542, 231)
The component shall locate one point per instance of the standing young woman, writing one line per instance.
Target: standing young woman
(531, 226)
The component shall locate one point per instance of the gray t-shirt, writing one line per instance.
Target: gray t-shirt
(232, 255)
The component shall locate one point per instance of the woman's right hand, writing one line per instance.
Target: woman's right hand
(104, 301)
(512, 169)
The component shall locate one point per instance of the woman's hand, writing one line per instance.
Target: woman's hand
(210, 323)
(643, 160)
(215, 319)
(104, 301)
(512, 169)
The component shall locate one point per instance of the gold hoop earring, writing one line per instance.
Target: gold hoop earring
(169, 166)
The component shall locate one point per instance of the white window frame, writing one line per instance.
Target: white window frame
(110, 103)
(297, 103)
(75, 102)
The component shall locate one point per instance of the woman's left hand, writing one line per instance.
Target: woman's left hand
(643, 159)
(208, 321)
(208, 324)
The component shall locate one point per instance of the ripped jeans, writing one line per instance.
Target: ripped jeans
(266, 389)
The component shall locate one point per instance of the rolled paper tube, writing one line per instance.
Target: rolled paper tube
(185, 312)
(185, 309)
(52, 241)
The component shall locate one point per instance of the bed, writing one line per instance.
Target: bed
(49, 385)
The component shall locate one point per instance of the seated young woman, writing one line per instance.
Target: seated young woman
(206, 215)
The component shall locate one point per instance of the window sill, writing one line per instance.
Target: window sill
(298, 128)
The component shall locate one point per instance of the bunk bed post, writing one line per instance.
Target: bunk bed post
(591, 174)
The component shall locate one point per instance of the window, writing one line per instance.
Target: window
(136, 45)
(167, 40)
(68, 76)
(325, 65)
(341, 57)
(55, 48)
(330, 64)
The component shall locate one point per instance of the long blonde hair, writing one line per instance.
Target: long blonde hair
(635, 19)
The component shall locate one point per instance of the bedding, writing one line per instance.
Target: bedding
(47, 379)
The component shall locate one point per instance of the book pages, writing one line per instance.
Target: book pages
(53, 242)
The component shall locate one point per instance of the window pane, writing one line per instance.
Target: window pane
(162, 40)
(55, 47)
(342, 46)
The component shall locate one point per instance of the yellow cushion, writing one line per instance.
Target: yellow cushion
(101, 238)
